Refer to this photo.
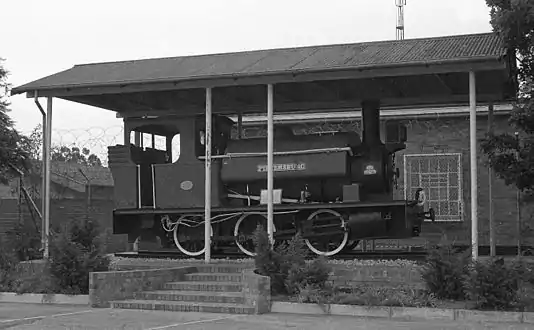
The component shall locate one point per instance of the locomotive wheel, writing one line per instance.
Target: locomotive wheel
(244, 231)
(342, 242)
(190, 245)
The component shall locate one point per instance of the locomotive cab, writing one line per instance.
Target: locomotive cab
(131, 164)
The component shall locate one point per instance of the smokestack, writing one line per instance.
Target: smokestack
(371, 122)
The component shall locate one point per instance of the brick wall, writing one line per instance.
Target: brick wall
(452, 136)
(62, 212)
(377, 275)
(342, 275)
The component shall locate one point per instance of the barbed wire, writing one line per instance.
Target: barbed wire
(425, 136)
(97, 139)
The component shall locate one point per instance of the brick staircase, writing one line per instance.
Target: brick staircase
(212, 289)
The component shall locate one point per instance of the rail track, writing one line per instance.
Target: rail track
(417, 254)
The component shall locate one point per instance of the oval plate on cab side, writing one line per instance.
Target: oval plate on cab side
(186, 185)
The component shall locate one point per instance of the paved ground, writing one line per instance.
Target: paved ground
(42, 317)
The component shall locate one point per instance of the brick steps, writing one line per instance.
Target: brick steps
(211, 289)
(210, 286)
(183, 306)
(226, 269)
(214, 277)
(192, 296)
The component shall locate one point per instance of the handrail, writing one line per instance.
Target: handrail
(280, 153)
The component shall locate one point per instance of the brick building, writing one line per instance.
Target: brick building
(436, 159)
(77, 192)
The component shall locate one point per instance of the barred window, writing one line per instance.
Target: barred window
(440, 176)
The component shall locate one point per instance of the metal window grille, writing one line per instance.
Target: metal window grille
(440, 176)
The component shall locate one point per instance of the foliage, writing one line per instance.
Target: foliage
(492, 284)
(381, 296)
(11, 151)
(513, 20)
(25, 241)
(286, 264)
(37, 279)
(366, 295)
(495, 285)
(311, 275)
(75, 155)
(8, 263)
(65, 154)
(444, 270)
(268, 262)
(74, 252)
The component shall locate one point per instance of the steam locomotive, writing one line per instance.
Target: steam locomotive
(333, 189)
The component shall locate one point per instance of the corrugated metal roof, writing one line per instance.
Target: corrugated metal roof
(261, 62)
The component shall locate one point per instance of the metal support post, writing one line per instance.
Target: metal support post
(46, 160)
(518, 201)
(207, 188)
(43, 171)
(491, 176)
(473, 164)
(270, 162)
(126, 133)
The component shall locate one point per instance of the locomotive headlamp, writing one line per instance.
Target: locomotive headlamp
(420, 196)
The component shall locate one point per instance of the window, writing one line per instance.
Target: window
(440, 177)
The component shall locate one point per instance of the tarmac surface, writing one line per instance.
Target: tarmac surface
(45, 317)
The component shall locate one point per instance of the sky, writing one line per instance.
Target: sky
(41, 38)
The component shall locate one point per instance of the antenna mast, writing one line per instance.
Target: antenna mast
(400, 18)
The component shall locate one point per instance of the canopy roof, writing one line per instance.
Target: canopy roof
(413, 71)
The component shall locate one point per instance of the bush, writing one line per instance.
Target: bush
(25, 241)
(492, 284)
(38, 280)
(495, 285)
(8, 264)
(444, 272)
(74, 254)
(312, 275)
(377, 296)
(286, 264)
(267, 261)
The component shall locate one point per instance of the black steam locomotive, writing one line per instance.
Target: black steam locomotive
(334, 189)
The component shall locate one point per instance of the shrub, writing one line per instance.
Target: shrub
(444, 272)
(286, 264)
(378, 296)
(267, 261)
(8, 264)
(38, 280)
(74, 254)
(25, 241)
(494, 285)
(312, 294)
(312, 275)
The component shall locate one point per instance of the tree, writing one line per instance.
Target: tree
(12, 152)
(513, 21)
(73, 154)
